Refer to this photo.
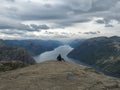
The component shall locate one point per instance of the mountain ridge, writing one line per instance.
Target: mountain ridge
(34, 46)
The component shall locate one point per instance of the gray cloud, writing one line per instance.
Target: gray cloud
(18, 27)
(70, 10)
(103, 5)
(109, 25)
(62, 13)
(7, 23)
(48, 32)
(100, 21)
(70, 22)
(106, 22)
(10, 0)
(38, 27)
(98, 32)
(12, 32)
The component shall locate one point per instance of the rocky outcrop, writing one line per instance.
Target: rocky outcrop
(15, 54)
(54, 75)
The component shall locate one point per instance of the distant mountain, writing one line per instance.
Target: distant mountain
(101, 52)
(53, 75)
(2, 43)
(35, 47)
(76, 42)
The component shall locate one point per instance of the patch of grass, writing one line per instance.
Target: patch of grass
(10, 65)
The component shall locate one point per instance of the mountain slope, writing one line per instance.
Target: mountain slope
(12, 57)
(35, 47)
(102, 52)
(54, 75)
(2, 43)
(15, 53)
(75, 42)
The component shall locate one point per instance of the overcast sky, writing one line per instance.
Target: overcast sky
(59, 19)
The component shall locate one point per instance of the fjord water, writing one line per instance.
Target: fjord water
(52, 55)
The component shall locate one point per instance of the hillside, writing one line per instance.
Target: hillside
(35, 47)
(15, 53)
(54, 75)
(100, 52)
(2, 43)
(11, 65)
(75, 42)
(12, 57)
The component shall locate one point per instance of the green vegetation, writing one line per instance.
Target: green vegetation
(12, 57)
(2, 43)
(8, 53)
(102, 52)
(10, 65)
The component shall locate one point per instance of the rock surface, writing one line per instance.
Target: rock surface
(54, 75)
(8, 53)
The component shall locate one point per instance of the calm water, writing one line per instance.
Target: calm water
(51, 55)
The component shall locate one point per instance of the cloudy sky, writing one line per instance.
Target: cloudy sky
(59, 19)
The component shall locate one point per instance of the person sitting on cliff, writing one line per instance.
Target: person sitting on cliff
(59, 58)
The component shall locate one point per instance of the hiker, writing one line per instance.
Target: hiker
(62, 59)
(59, 58)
